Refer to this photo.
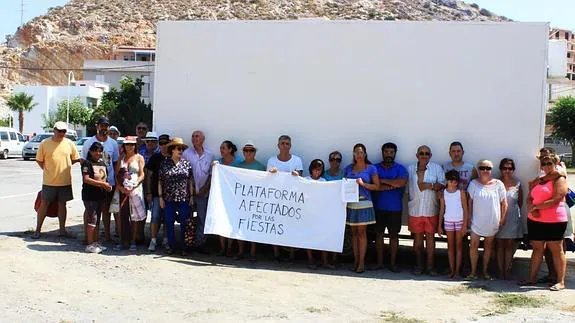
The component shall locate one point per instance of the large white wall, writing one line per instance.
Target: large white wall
(331, 84)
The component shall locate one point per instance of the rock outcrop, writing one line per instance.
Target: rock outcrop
(46, 48)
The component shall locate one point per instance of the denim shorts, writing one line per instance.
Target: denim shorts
(157, 212)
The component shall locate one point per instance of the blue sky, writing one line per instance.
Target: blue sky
(561, 13)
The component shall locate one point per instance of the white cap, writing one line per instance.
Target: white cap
(151, 136)
(114, 128)
(60, 125)
(249, 144)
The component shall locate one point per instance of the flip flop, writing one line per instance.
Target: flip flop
(526, 283)
(35, 236)
(488, 277)
(556, 288)
(471, 277)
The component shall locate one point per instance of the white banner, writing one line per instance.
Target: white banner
(277, 209)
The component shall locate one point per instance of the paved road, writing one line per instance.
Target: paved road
(20, 181)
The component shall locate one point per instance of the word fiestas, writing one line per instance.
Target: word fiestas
(261, 192)
(261, 226)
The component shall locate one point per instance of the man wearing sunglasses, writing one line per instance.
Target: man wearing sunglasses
(55, 156)
(141, 131)
(110, 155)
(388, 203)
(425, 179)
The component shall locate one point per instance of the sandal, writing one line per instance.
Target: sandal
(526, 283)
(556, 288)
(35, 236)
(488, 277)
(471, 277)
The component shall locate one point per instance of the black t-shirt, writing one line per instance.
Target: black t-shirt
(97, 171)
(153, 165)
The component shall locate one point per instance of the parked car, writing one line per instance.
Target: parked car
(567, 158)
(11, 142)
(80, 144)
(31, 148)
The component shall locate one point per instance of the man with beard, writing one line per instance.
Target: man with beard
(388, 203)
(110, 155)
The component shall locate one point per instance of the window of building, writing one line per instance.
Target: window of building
(568, 55)
(101, 78)
(557, 35)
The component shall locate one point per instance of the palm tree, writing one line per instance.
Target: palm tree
(21, 102)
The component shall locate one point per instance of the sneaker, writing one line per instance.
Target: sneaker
(99, 245)
(165, 243)
(93, 249)
(152, 246)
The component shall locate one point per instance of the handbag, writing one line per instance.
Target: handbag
(52, 211)
(570, 198)
(115, 204)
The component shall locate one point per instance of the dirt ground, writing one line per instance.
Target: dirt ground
(54, 280)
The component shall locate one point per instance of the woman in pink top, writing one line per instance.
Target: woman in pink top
(547, 220)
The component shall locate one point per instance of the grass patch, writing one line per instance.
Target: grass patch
(466, 289)
(506, 302)
(396, 317)
(312, 309)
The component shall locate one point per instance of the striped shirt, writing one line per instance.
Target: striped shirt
(424, 203)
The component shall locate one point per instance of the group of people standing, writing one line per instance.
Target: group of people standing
(171, 179)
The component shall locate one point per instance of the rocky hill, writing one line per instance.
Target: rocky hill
(43, 50)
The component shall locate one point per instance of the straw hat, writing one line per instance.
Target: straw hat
(177, 141)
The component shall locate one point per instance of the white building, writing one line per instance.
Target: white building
(134, 62)
(557, 58)
(48, 97)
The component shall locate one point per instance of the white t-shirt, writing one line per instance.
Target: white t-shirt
(486, 206)
(110, 155)
(294, 163)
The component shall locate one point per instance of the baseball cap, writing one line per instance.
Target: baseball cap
(114, 128)
(103, 120)
(60, 125)
(164, 139)
(249, 144)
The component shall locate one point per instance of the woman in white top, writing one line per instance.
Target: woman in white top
(454, 216)
(488, 206)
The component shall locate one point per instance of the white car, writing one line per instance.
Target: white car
(31, 148)
(11, 142)
(80, 144)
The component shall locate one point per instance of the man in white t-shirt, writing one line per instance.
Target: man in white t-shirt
(110, 155)
(467, 171)
(287, 163)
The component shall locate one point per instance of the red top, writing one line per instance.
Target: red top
(553, 214)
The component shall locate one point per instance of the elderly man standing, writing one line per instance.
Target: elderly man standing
(110, 155)
(55, 156)
(287, 163)
(151, 142)
(141, 132)
(425, 179)
(201, 160)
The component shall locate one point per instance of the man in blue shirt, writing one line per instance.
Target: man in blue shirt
(388, 203)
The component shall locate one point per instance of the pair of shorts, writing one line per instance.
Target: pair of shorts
(94, 211)
(157, 212)
(388, 219)
(451, 226)
(57, 193)
(423, 224)
(543, 231)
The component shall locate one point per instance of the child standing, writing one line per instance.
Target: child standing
(94, 188)
(316, 171)
(454, 215)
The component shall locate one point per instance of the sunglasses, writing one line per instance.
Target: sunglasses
(249, 150)
(507, 168)
(485, 168)
(547, 164)
(141, 128)
(424, 153)
(178, 148)
(60, 131)
(335, 159)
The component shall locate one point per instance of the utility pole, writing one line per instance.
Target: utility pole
(21, 13)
